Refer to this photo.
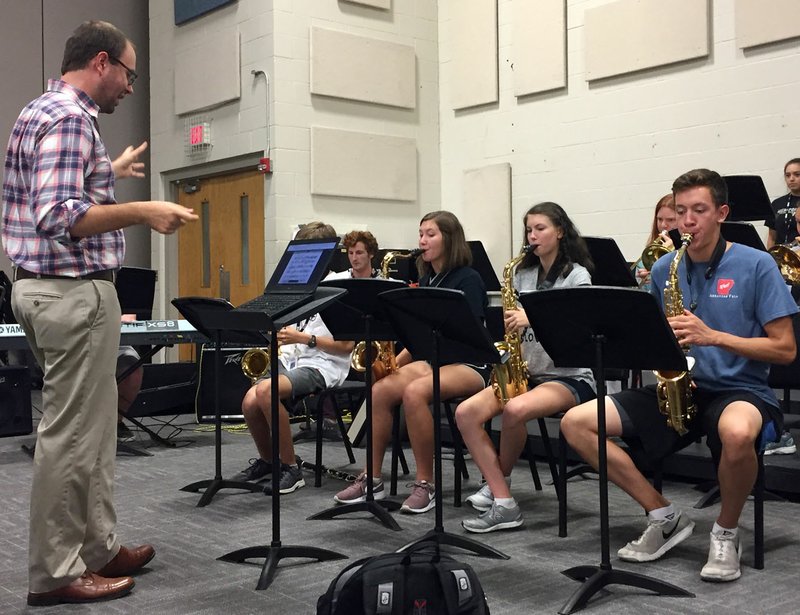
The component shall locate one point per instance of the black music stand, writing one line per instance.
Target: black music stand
(437, 325)
(590, 326)
(259, 322)
(201, 313)
(742, 232)
(610, 266)
(747, 198)
(359, 316)
(482, 264)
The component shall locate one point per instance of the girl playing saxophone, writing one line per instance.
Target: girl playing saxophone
(559, 258)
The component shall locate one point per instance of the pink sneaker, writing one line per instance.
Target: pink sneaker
(421, 499)
(357, 491)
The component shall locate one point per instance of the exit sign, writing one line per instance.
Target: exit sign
(199, 134)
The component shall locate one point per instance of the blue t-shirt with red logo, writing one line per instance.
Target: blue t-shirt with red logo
(745, 292)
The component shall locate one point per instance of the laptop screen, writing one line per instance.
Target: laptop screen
(302, 266)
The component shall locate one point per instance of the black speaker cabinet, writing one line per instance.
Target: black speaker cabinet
(232, 382)
(15, 401)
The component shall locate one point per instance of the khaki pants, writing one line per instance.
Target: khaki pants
(73, 328)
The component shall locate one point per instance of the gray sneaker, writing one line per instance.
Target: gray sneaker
(724, 554)
(357, 491)
(784, 446)
(657, 539)
(496, 518)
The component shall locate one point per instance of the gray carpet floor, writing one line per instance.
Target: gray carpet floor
(186, 576)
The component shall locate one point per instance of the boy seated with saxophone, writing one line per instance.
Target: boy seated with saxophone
(555, 255)
(738, 321)
(310, 361)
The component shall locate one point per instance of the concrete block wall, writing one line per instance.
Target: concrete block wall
(275, 38)
(607, 150)
(408, 22)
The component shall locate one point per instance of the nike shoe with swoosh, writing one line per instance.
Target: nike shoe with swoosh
(657, 539)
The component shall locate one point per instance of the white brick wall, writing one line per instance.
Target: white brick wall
(607, 151)
(275, 38)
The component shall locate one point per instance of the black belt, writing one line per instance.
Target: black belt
(108, 275)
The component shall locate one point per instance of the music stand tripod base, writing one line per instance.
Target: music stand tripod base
(595, 578)
(379, 508)
(211, 486)
(272, 554)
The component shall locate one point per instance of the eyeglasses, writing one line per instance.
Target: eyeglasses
(132, 76)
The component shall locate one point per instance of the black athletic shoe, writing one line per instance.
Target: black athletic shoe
(291, 480)
(124, 434)
(258, 471)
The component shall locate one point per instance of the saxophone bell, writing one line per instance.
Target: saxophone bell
(383, 363)
(255, 364)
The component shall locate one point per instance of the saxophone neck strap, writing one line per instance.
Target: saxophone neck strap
(716, 257)
(551, 277)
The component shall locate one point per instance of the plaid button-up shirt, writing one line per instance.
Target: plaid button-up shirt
(57, 167)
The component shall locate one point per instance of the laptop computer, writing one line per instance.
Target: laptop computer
(304, 264)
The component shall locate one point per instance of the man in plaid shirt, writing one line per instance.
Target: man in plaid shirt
(62, 230)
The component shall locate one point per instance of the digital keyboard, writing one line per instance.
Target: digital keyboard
(136, 333)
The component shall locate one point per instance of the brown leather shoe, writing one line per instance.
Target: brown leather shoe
(89, 587)
(128, 561)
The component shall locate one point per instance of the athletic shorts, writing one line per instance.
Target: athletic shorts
(642, 420)
(305, 380)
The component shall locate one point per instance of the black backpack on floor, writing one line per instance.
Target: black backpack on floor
(423, 581)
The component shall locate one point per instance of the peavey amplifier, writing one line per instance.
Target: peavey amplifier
(233, 384)
(15, 401)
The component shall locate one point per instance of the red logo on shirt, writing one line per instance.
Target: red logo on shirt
(724, 286)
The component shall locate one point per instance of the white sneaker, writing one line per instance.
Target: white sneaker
(657, 539)
(724, 553)
(483, 498)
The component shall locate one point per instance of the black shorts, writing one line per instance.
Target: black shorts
(580, 389)
(642, 420)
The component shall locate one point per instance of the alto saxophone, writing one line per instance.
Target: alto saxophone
(510, 378)
(385, 362)
(674, 388)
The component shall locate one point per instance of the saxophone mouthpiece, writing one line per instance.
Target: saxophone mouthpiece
(415, 252)
(529, 248)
